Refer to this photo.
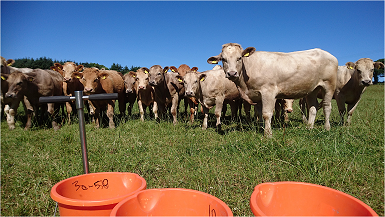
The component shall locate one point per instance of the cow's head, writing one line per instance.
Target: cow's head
(142, 78)
(191, 81)
(67, 70)
(91, 78)
(231, 57)
(156, 74)
(17, 83)
(5, 64)
(129, 81)
(364, 69)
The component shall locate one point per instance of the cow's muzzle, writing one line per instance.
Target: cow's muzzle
(189, 94)
(152, 83)
(10, 95)
(366, 82)
(232, 74)
(129, 91)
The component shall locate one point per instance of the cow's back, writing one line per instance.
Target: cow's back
(294, 74)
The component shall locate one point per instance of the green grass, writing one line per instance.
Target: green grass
(226, 164)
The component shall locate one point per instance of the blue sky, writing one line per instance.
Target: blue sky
(180, 32)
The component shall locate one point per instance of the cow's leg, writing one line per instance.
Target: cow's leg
(268, 104)
(351, 108)
(327, 107)
(155, 110)
(29, 111)
(10, 111)
(218, 110)
(110, 114)
(247, 107)
(192, 109)
(312, 104)
(206, 115)
(174, 109)
(258, 111)
(234, 105)
(96, 114)
(341, 108)
(122, 106)
(69, 111)
(278, 110)
(141, 111)
(303, 106)
(52, 110)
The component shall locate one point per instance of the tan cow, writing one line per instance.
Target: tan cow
(144, 91)
(97, 81)
(353, 78)
(70, 83)
(266, 76)
(168, 90)
(31, 86)
(188, 101)
(130, 84)
(211, 88)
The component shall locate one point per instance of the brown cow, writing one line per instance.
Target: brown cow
(168, 90)
(31, 86)
(144, 91)
(103, 81)
(129, 83)
(266, 76)
(188, 101)
(70, 84)
(353, 78)
(211, 88)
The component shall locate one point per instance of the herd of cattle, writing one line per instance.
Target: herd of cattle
(268, 80)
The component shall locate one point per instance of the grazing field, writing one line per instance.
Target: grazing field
(227, 164)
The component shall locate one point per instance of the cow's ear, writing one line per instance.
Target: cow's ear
(79, 68)
(194, 69)
(77, 75)
(180, 79)
(173, 69)
(350, 65)
(58, 65)
(214, 59)
(146, 70)
(248, 51)
(103, 75)
(202, 77)
(378, 65)
(4, 76)
(10, 62)
(132, 74)
(165, 69)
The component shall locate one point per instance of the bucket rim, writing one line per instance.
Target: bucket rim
(88, 203)
(225, 206)
(254, 207)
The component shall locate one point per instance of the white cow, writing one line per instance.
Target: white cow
(266, 76)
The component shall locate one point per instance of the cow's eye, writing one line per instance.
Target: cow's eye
(159, 73)
(96, 79)
(20, 83)
(224, 60)
(239, 58)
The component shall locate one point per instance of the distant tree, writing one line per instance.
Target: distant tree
(378, 72)
(116, 67)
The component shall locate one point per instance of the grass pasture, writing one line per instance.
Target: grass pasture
(226, 164)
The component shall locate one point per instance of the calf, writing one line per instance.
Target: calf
(29, 87)
(211, 88)
(130, 83)
(70, 83)
(266, 76)
(103, 81)
(188, 101)
(353, 78)
(168, 90)
(144, 91)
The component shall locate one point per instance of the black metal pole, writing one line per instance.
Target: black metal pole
(79, 106)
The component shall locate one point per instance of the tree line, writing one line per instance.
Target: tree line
(46, 63)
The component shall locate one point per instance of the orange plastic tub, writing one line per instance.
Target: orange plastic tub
(304, 199)
(171, 202)
(95, 194)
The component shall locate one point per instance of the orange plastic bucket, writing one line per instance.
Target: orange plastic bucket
(171, 202)
(95, 194)
(304, 199)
